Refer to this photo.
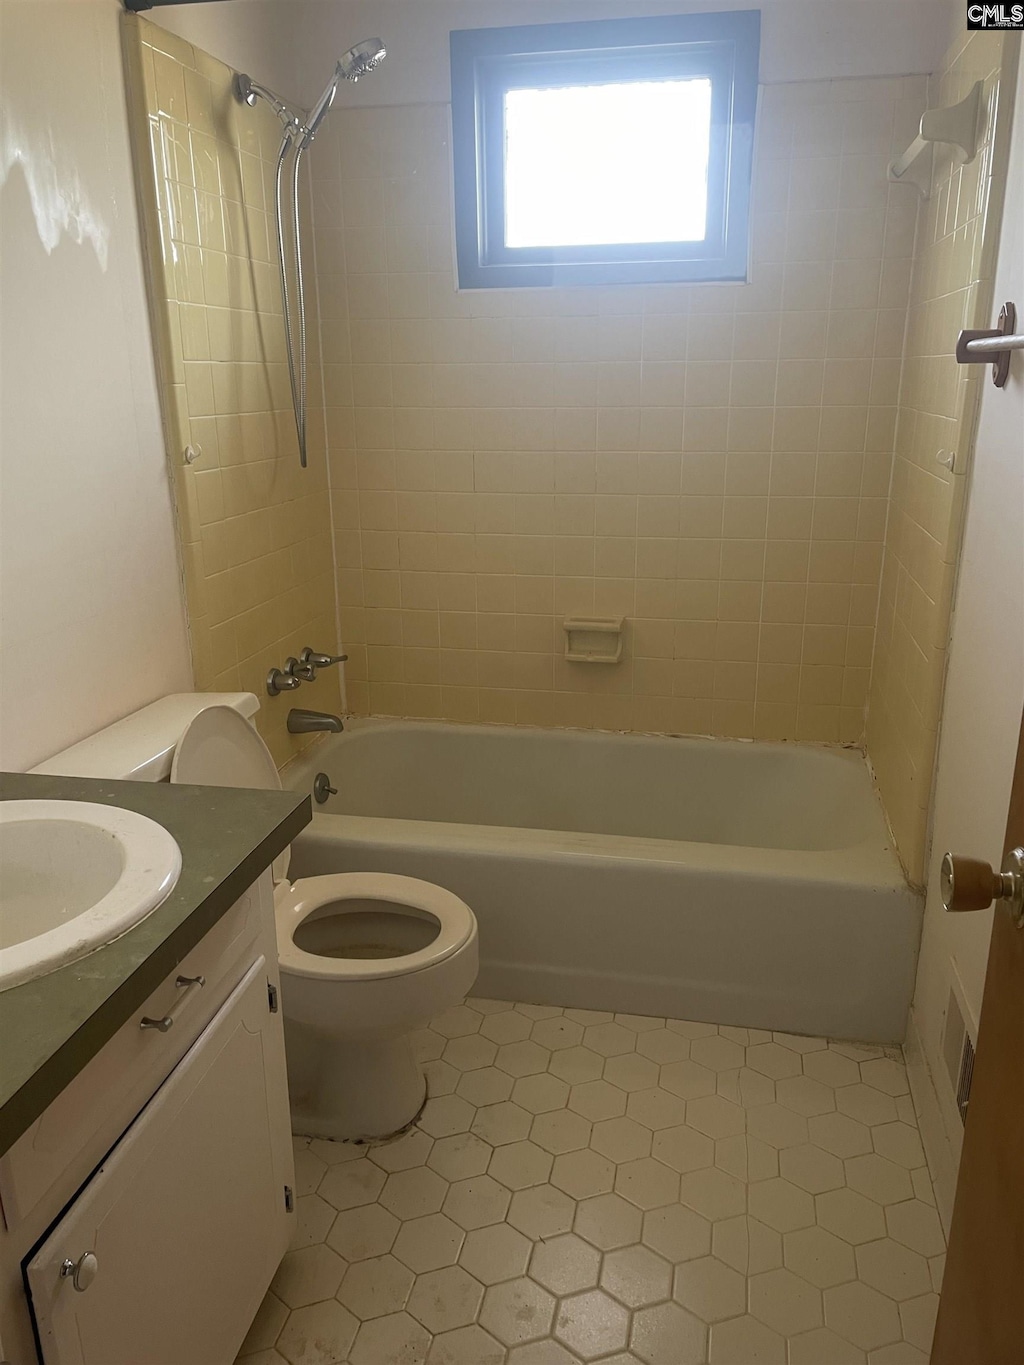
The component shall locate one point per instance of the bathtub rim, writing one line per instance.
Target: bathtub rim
(871, 862)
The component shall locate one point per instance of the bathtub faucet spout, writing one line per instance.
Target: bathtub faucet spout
(308, 722)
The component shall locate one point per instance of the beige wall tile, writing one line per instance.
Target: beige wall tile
(255, 529)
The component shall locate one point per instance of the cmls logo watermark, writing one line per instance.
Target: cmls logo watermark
(995, 16)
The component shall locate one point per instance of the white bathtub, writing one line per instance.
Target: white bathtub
(748, 884)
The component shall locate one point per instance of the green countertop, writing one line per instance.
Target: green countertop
(51, 1027)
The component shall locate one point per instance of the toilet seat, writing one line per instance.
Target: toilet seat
(220, 748)
(293, 904)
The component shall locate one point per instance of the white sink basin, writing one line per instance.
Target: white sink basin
(73, 877)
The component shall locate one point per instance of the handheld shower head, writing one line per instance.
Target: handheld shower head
(362, 58)
(356, 62)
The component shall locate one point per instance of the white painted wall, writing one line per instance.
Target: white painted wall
(983, 703)
(800, 39)
(91, 618)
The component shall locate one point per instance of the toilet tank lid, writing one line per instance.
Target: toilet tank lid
(140, 748)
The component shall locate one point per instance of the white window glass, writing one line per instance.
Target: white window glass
(593, 165)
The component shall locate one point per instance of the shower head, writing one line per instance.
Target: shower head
(362, 58)
(356, 62)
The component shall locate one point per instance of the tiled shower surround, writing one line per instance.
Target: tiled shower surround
(711, 462)
(951, 288)
(636, 1191)
(254, 528)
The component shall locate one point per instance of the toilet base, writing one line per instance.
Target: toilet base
(351, 1090)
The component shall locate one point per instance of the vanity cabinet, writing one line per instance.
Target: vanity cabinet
(148, 1209)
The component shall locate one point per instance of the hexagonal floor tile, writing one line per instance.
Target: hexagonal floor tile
(687, 1080)
(747, 1245)
(812, 1168)
(397, 1337)
(683, 1148)
(778, 1126)
(631, 1071)
(668, 1335)
(718, 1053)
(561, 1131)
(460, 1156)
(713, 1193)
(352, 1184)
(477, 1202)
(781, 1205)
(445, 1299)
(541, 1211)
(621, 1139)
(592, 1324)
(862, 1315)
(647, 1183)
(501, 1123)
(609, 1040)
(636, 1276)
(541, 1093)
(517, 1311)
(413, 1193)
(748, 1340)
(785, 1302)
(308, 1275)
(495, 1253)
(323, 1331)
(518, 1165)
(663, 1046)
(850, 1216)
(557, 1034)
(597, 1100)
(916, 1225)
(372, 1289)
(677, 1233)
(466, 1346)
(894, 1270)
(710, 1289)
(565, 1264)
(363, 1233)
(819, 1257)
(488, 1086)
(607, 1221)
(583, 1174)
(428, 1243)
(773, 1060)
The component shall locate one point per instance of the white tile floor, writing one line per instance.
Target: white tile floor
(590, 1187)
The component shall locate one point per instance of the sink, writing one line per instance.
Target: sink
(74, 876)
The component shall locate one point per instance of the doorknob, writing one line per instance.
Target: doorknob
(969, 884)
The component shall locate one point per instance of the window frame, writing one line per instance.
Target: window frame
(485, 63)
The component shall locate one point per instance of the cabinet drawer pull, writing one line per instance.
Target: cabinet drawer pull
(189, 986)
(82, 1272)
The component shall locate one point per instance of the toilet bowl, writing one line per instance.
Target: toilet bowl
(366, 958)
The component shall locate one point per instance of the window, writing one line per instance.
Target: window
(608, 152)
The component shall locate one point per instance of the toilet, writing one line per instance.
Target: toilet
(366, 959)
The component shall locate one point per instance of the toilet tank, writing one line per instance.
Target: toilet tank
(140, 747)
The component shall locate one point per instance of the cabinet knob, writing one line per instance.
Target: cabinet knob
(970, 884)
(82, 1272)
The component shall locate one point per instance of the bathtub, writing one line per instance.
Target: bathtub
(747, 884)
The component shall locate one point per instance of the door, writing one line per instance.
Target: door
(168, 1250)
(981, 1309)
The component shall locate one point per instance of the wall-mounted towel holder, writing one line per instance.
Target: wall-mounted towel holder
(593, 639)
(956, 126)
(979, 345)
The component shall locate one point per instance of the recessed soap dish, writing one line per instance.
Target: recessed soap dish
(593, 639)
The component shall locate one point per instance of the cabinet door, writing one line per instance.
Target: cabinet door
(186, 1218)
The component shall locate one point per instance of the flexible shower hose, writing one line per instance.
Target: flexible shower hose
(296, 364)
